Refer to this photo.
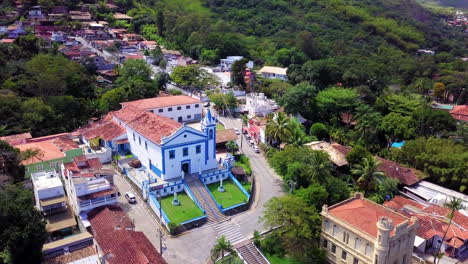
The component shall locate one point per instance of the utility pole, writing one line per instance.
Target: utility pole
(160, 224)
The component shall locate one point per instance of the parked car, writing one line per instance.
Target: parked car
(237, 131)
(256, 149)
(251, 143)
(248, 137)
(131, 198)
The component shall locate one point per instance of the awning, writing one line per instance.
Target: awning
(121, 141)
(60, 221)
(54, 200)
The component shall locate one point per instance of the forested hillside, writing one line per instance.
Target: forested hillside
(356, 43)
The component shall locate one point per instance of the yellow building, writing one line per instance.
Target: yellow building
(358, 230)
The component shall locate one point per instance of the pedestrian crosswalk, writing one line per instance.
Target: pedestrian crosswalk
(230, 230)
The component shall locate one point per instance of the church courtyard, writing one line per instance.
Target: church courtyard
(185, 211)
(232, 195)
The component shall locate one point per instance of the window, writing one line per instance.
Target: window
(325, 243)
(172, 189)
(211, 134)
(185, 152)
(172, 154)
(133, 136)
(197, 105)
(146, 145)
(333, 248)
(334, 230)
(189, 117)
(139, 141)
(356, 243)
(179, 108)
(356, 261)
(198, 149)
(161, 110)
(169, 109)
(367, 250)
(327, 225)
(344, 254)
(187, 107)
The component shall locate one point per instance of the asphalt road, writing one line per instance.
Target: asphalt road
(195, 245)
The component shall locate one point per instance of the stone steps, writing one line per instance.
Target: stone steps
(251, 254)
(204, 199)
(230, 231)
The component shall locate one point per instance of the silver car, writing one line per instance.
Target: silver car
(131, 198)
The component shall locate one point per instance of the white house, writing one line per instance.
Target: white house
(48, 192)
(88, 185)
(181, 108)
(270, 72)
(257, 104)
(226, 63)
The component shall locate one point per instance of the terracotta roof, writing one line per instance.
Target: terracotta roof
(166, 101)
(48, 151)
(460, 112)
(432, 220)
(112, 231)
(128, 113)
(335, 156)
(364, 214)
(154, 127)
(79, 159)
(73, 256)
(7, 40)
(405, 175)
(65, 143)
(107, 131)
(226, 135)
(16, 139)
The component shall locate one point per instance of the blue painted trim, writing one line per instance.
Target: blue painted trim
(155, 201)
(232, 207)
(155, 170)
(239, 186)
(184, 130)
(220, 207)
(163, 161)
(193, 220)
(184, 144)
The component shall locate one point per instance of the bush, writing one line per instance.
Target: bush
(319, 130)
(173, 227)
(272, 245)
(175, 92)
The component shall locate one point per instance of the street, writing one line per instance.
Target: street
(195, 245)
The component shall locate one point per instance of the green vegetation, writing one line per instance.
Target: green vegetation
(231, 196)
(274, 259)
(187, 209)
(247, 186)
(222, 247)
(220, 127)
(244, 162)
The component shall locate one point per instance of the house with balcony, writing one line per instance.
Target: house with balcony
(88, 185)
(270, 72)
(226, 64)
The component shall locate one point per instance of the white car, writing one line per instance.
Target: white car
(256, 149)
(131, 198)
(237, 131)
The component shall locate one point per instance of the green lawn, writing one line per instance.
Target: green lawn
(273, 259)
(187, 209)
(231, 196)
(220, 127)
(247, 186)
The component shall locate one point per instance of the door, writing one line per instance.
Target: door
(186, 167)
(179, 119)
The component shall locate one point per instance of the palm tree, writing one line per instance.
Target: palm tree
(322, 167)
(278, 128)
(454, 205)
(297, 135)
(222, 246)
(368, 173)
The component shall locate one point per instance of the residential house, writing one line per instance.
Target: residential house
(257, 104)
(226, 63)
(433, 225)
(171, 54)
(59, 36)
(17, 139)
(435, 194)
(64, 235)
(120, 16)
(256, 128)
(16, 30)
(336, 157)
(35, 13)
(118, 241)
(88, 185)
(460, 113)
(147, 45)
(270, 72)
(184, 61)
(358, 230)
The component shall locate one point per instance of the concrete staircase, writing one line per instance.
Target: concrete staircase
(251, 254)
(204, 199)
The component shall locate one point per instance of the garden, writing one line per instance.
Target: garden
(185, 211)
(232, 195)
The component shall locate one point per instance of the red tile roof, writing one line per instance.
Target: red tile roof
(97, 194)
(65, 143)
(16, 139)
(165, 101)
(460, 112)
(111, 226)
(432, 220)
(405, 175)
(154, 127)
(128, 113)
(364, 214)
(107, 131)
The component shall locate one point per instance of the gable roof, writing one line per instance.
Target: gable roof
(337, 157)
(127, 113)
(164, 101)
(275, 70)
(364, 214)
(226, 135)
(460, 112)
(107, 130)
(154, 127)
(113, 232)
(17, 139)
(432, 220)
(405, 175)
